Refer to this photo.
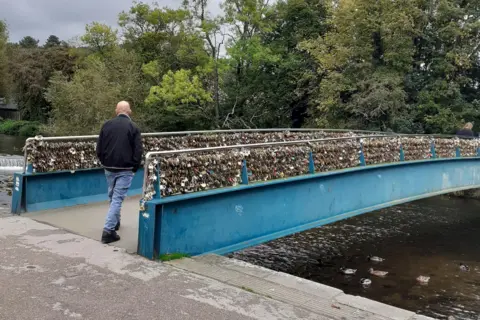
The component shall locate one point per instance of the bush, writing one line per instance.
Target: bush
(19, 128)
(29, 130)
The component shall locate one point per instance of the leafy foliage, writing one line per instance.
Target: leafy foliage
(82, 104)
(4, 81)
(410, 66)
(180, 95)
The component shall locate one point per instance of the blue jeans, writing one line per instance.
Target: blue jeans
(118, 184)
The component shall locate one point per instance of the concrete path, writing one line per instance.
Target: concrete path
(48, 273)
(88, 220)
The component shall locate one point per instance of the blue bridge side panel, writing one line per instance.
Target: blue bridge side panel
(63, 189)
(227, 220)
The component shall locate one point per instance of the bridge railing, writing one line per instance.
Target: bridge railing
(174, 172)
(72, 153)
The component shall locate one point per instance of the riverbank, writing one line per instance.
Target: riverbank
(19, 128)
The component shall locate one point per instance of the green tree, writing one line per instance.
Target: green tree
(444, 82)
(81, 105)
(180, 102)
(4, 76)
(273, 78)
(210, 29)
(363, 61)
(100, 37)
(52, 41)
(155, 33)
(28, 42)
(30, 71)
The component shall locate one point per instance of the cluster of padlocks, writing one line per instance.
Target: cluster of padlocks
(47, 156)
(381, 150)
(194, 172)
(180, 173)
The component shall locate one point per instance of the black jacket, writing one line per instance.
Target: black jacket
(465, 133)
(119, 146)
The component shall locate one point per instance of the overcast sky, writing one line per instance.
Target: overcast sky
(65, 18)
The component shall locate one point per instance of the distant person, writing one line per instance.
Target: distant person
(467, 131)
(119, 149)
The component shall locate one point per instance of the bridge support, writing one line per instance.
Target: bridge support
(230, 219)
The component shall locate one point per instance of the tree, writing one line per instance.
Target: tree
(30, 71)
(100, 37)
(160, 35)
(4, 76)
(81, 105)
(28, 42)
(211, 30)
(444, 81)
(180, 102)
(363, 61)
(273, 78)
(52, 41)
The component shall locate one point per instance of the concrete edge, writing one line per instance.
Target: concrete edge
(315, 297)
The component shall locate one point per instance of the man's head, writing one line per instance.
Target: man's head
(123, 107)
(468, 126)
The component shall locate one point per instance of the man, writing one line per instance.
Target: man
(467, 131)
(119, 149)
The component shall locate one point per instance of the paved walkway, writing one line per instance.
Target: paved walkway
(88, 220)
(49, 273)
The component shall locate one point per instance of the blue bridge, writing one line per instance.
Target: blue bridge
(222, 191)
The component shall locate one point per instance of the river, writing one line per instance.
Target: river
(429, 237)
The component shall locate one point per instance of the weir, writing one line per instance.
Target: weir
(211, 197)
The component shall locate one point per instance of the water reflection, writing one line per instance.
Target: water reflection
(429, 238)
(11, 144)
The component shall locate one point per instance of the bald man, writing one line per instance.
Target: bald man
(119, 149)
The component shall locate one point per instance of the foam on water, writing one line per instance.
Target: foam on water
(11, 162)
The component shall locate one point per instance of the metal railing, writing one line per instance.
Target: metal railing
(151, 154)
(186, 133)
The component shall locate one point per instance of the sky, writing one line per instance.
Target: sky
(66, 18)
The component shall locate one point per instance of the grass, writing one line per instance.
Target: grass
(253, 291)
(173, 256)
(248, 289)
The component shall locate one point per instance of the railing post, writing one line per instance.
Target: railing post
(362, 156)
(311, 163)
(433, 153)
(478, 151)
(244, 172)
(458, 154)
(156, 185)
(402, 153)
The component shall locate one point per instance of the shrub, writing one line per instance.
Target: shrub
(19, 128)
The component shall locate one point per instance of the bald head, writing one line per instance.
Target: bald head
(123, 107)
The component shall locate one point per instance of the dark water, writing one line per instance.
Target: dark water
(430, 238)
(11, 145)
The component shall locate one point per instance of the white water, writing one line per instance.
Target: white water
(11, 164)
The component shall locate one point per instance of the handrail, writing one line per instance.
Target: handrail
(178, 133)
(258, 145)
(285, 143)
(281, 143)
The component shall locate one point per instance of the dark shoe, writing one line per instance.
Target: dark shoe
(117, 227)
(109, 237)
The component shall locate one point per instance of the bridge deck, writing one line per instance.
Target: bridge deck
(87, 221)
